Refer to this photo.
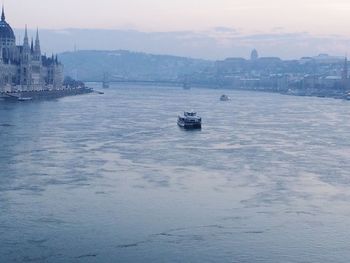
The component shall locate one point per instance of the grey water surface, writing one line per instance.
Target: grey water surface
(111, 178)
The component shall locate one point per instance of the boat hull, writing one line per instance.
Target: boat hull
(189, 126)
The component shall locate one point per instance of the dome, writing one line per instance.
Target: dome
(254, 55)
(5, 29)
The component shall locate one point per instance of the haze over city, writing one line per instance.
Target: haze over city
(205, 29)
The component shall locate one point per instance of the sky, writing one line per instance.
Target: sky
(229, 23)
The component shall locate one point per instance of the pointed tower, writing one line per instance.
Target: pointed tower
(26, 48)
(3, 14)
(37, 49)
(25, 62)
(2, 20)
(32, 46)
(25, 40)
(36, 70)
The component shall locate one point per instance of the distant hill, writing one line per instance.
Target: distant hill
(126, 65)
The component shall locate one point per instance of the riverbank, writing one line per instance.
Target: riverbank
(44, 94)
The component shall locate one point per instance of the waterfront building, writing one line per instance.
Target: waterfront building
(24, 67)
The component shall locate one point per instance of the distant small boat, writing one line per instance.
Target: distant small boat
(24, 99)
(189, 120)
(224, 98)
(100, 92)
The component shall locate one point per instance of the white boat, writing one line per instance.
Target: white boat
(189, 120)
(224, 98)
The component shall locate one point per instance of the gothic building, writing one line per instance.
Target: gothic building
(24, 67)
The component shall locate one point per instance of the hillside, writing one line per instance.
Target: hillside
(126, 65)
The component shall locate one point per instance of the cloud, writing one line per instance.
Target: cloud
(225, 29)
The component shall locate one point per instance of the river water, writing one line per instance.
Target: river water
(111, 178)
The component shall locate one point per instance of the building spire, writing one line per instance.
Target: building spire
(37, 41)
(32, 46)
(37, 48)
(26, 41)
(26, 32)
(2, 13)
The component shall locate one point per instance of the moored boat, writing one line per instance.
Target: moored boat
(25, 98)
